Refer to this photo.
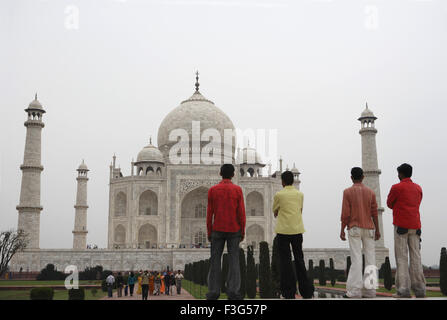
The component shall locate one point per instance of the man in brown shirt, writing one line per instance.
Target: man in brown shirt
(359, 214)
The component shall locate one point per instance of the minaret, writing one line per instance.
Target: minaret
(370, 164)
(80, 225)
(29, 208)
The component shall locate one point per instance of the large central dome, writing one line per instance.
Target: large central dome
(196, 108)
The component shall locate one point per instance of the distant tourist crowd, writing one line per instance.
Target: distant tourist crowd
(147, 283)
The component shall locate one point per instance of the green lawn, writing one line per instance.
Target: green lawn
(58, 295)
(199, 292)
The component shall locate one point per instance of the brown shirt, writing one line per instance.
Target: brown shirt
(359, 206)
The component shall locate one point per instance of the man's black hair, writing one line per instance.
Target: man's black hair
(357, 173)
(406, 170)
(287, 178)
(227, 171)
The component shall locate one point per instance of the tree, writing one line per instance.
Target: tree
(224, 272)
(332, 272)
(348, 265)
(311, 271)
(50, 273)
(276, 275)
(243, 270)
(265, 276)
(387, 276)
(251, 274)
(443, 271)
(11, 242)
(321, 275)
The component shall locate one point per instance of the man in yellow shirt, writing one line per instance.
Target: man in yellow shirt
(288, 209)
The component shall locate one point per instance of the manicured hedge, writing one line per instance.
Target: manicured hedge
(41, 293)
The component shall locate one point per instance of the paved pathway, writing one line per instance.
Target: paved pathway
(184, 295)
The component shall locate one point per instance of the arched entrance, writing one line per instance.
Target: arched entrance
(147, 237)
(193, 216)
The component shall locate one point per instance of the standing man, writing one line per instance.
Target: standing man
(405, 198)
(288, 209)
(119, 284)
(178, 281)
(110, 280)
(145, 284)
(225, 221)
(359, 214)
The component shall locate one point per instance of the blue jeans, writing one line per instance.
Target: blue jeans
(218, 240)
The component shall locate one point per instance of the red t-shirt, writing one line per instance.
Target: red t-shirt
(405, 198)
(226, 209)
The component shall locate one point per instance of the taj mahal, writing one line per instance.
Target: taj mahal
(157, 214)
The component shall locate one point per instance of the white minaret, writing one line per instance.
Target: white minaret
(80, 225)
(370, 164)
(29, 208)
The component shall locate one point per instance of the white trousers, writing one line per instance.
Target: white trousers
(355, 283)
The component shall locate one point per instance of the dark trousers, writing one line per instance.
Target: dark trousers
(144, 291)
(110, 290)
(126, 290)
(218, 240)
(288, 280)
(167, 289)
(131, 286)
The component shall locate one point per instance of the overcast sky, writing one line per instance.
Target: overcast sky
(107, 73)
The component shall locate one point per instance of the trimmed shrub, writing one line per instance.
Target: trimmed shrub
(332, 272)
(321, 274)
(311, 271)
(50, 273)
(276, 275)
(387, 275)
(94, 291)
(76, 294)
(341, 278)
(41, 294)
(348, 265)
(243, 270)
(104, 285)
(265, 275)
(251, 274)
(443, 271)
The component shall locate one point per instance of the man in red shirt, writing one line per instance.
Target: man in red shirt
(405, 198)
(225, 221)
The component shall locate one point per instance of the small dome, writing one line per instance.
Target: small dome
(367, 113)
(294, 169)
(150, 153)
(83, 166)
(35, 105)
(251, 156)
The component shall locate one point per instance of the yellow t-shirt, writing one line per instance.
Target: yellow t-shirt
(289, 203)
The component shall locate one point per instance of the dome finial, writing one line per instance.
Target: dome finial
(150, 140)
(197, 81)
(366, 104)
(35, 96)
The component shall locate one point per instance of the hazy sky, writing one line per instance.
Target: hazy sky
(107, 72)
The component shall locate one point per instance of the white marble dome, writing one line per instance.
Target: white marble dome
(196, 108)
(83, 166)
(150, 153)
(36, 105)
(367, 113)
(251, 156)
